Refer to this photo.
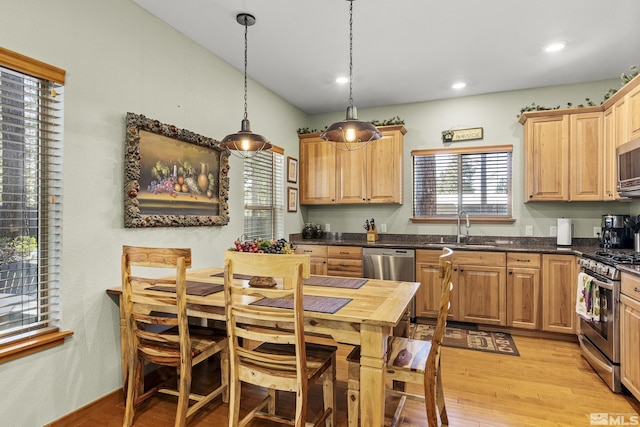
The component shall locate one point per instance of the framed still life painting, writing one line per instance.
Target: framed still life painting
(173, 177)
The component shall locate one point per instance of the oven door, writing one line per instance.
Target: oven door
(604, 332)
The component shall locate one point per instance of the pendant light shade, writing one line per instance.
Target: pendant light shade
(351, 133)
(244, 143)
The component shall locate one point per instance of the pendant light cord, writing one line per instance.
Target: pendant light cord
(351, 53)
(246, 27)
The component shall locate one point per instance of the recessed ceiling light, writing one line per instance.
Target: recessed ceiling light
(458, 85)
(554, 47)
(342, 80)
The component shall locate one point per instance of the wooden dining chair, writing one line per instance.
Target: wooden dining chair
(158, 331)
(280, 360)
(411, 361)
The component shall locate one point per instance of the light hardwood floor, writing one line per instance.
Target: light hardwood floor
(550, 384)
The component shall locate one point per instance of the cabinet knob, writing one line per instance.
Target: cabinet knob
(511, 272)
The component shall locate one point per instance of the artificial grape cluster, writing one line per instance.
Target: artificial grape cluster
(280, 246)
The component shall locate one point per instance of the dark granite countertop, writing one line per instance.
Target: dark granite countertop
(475, 243)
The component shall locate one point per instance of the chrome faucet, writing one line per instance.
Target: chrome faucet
(466, 236)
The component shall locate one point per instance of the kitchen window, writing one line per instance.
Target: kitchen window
(264, 195)
(476, 180)
(31, 109)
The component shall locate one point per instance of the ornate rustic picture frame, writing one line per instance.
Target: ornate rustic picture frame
(173, 177)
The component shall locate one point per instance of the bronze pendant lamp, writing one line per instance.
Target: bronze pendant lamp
(351, 133)
(244, 143)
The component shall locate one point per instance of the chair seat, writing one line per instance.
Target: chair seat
(168, 353)
(318, 358)
(407, 353)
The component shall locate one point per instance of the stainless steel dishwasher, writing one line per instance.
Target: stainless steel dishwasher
(390, 264)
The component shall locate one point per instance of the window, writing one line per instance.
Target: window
(476, 180)
(264, 195)
(30, 203)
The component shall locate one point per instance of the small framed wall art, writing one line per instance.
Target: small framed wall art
(292, 170)
(292, 199)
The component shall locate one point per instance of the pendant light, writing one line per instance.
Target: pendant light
(351, 133)
(244, 143)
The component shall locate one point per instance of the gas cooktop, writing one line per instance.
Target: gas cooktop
(614, 256)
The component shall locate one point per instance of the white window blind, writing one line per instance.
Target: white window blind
(476, 180)
(31, 110)
(264, 195)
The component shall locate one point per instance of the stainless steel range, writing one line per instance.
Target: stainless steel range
(600, 328)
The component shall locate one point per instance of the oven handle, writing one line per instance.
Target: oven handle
(600, 283)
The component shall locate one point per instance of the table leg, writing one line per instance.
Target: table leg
(373, 360)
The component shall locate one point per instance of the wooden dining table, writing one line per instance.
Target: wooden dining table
(367, 319)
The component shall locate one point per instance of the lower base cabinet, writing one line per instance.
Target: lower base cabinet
(333, 260)
(630, 334)
(559, 287)
(523, 290)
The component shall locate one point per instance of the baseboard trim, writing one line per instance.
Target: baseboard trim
(112, 399)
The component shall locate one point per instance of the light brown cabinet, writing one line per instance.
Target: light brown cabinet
(318, 258)
(482, 287)
(559, 149)
(317, 171)
(523, 290)
(559, 285)
(630, 333)
(333, 260)
(428, 296)
(633, 98)
(479, 286)
(373, 174)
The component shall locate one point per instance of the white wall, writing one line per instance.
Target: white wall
(119, 58)
(497, 114)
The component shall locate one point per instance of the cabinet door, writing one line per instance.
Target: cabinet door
(317, 171)
(318, 266)
(547, 158)
(482, 294)
(385, 168)
(634, 112)
(587, 165)
(428, 295)
(559, 283)
(523, 298)
(630, 344)
(352, 176)
(610, 159)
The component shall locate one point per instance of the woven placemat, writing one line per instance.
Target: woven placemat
(201, 289)
(314, 303)
(335, 282)
(235, 276)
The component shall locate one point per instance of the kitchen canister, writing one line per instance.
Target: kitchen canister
(564, 232)
(636, 242)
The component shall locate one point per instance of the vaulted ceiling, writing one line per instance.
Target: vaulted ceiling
(411, 50)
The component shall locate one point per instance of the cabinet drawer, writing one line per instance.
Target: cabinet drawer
(515, 259)
(428, 256)
(344, 267)
(493, 259)
(344, 252)
(313, 250)
(630, 286)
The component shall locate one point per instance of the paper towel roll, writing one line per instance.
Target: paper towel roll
(564, 232)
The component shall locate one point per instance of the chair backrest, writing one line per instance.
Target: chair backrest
(433, 360)
(241, 315)
(164, 310)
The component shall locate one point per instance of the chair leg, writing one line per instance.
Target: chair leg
(224, 374)
(440, 400)
(133, 381)
(430, 400)
(273, 397)
(329, 393)
(234, 402)
(184, 389)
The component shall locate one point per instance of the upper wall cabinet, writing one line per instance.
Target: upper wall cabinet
(560, 164)
(570, 154)
(373, 174)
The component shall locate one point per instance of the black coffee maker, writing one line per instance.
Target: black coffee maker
(615, 232)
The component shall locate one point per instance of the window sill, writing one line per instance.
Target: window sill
(472, 219)
(48, 338)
